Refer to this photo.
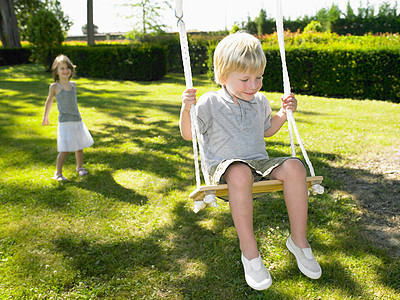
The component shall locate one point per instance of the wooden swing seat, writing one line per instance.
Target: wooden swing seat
(263, 186)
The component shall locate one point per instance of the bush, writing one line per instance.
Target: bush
(313, 26)
(372, 73)
(198, 51)
(44, 31)
(14, 56)
(134, 62)
(355, 73)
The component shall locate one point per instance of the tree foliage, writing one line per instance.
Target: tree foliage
(365, 20)
(24, 9)
(45, 32)
(313, 26)
(147, 16)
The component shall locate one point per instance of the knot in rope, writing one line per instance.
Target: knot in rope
(180, 19)
(317, 189)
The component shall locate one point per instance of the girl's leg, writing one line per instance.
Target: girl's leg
(240, 179)
(60, 161)
(293, 174)
(79, 159)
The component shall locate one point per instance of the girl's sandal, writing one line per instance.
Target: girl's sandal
(59, 177)
(82, 171)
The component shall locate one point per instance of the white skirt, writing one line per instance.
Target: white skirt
(73, 136)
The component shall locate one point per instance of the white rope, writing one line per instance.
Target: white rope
(209, 198)
(316, 188)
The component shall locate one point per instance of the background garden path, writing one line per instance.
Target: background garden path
(373, 181)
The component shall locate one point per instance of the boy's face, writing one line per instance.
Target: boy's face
(243, 85)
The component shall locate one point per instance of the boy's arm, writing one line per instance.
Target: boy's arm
(276, 123)
(49, 103)
(188, 99)
(280, 118)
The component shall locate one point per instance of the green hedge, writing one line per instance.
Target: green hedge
(197, 51)
(367, 72)
(14, 56)
(361, 73)
(353, 73)
(133, 62)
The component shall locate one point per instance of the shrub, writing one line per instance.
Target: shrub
(355, 73)
(44, 31)
(198, 51)
(14, 56)
(140, 62)
(313, 26)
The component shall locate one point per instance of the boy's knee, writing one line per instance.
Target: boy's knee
(295, 166)
(288, 169)
(239, 174)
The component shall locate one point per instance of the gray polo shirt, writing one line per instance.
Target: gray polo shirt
(232, 131)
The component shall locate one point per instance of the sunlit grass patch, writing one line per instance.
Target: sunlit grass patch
(127, 230)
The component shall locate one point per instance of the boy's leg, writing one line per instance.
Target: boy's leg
(60, 161)
(240, 179)
(293, 174)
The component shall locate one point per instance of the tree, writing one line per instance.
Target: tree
(24, 9)
(349, 12)
(148, 16)
(44, 31)
(90, 26)
(9, 34)
(250, 26)
(264, 25)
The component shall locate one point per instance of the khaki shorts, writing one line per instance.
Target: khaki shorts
(261, 169)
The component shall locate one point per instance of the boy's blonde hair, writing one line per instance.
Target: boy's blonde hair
(238, 52)
(57, 61)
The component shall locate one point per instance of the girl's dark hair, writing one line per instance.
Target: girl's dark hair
(57, 61)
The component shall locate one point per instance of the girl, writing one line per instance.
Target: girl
(232, 125)
(72, 133)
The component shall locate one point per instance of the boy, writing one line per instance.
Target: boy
(232, 125)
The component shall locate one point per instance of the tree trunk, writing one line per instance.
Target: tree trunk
(89, 26)
(9, 33)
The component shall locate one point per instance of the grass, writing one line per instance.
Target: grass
(127, 231)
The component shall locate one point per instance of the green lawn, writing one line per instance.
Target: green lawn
(127, 231)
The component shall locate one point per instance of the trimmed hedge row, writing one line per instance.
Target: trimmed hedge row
(352, 73)
(126, 62)
(362, 73)
(197, 51)
(14, 56)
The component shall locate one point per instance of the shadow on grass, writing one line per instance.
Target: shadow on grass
(103, 182)
(197, 261)
(188, 257)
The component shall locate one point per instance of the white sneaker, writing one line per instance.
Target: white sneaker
(305, 259)
(256, 274)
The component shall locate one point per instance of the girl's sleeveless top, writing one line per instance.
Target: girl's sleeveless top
(67, 105)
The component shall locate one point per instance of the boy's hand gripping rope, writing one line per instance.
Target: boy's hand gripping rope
(209, 198)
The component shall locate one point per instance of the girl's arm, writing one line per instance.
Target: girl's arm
(49, 103)
(188, 99)
(279, 119)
